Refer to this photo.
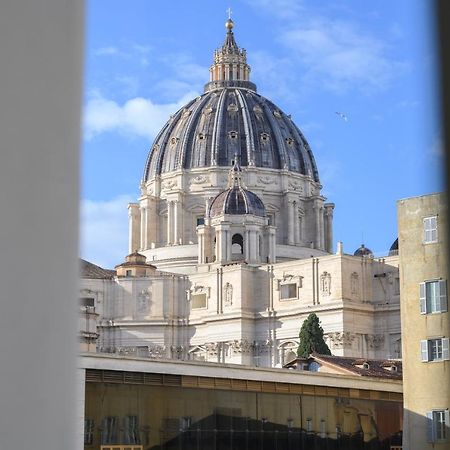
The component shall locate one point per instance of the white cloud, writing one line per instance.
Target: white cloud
(138, 116)
(106, 51)
(104, 230)
(340, 56)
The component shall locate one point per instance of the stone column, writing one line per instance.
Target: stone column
(176, 224)
(169, 222)
(143, 230)
(296, 224)
(329, 207)
(134, 226)
(317, 238)
(272, 244)
(291, 225)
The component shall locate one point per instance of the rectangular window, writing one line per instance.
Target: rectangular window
(198, 301)
(88, 431)
(200, 221)
(288, 291)
(433, 296)
(430, 234)
(129, 273)
(435, 349)
(437, 422)
(87, 301)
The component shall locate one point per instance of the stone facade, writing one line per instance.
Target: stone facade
(423, 251)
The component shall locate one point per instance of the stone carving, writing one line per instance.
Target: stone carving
(156, 351)
(295, 186)
(290, 278)
(228, 294)
(169, 185)
(325, 284)
(200, 179)
(232, 108)
(186, 113)
(143, 301)
(354, 283)
(212, 348)
(257, 110)
(340, 339)
(277, 114)
(375, 341)
(290, 141)
(174, 140)
(267, 180)
(208, 110)
(242, 346)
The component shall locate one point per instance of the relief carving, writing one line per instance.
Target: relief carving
(143, 301)
(267, 180)
(241, 346)
(325, 284)
(340, 339)
(375, 341)
(295, 186)
(228, 294)
(200, 179)
(169, 185)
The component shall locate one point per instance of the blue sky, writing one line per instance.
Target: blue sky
(373, 61)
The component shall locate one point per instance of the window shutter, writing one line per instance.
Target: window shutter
(424, 350)
(445, 349)
(430, 427)
(443, 296)
(423, 298)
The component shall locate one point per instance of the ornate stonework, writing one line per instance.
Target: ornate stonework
(228, 294)
(341, 339)
(375, 341)
(325, 284)
(242, 346)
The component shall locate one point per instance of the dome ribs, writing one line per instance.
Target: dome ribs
(250, 144)
(188, 134)
(215, 145)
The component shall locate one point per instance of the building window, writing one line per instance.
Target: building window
(200, 221)
(430, 234)
(88, 431)
(128, 273)
(433, 296)
(435, 349)
(198, 301)
(314, 366)
(237, 245)
(437, 422)
(288, 291)
(88, 302)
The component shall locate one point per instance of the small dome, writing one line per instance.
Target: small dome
(394, 248)
(363, 251)
(237, 200)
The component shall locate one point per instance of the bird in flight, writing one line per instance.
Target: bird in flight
(342, 115)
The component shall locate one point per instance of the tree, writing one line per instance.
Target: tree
(311, 338)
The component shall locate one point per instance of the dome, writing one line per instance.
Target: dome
(394, 248)
(237, 200)
(363, 251)
(230, 117)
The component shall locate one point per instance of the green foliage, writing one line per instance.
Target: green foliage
(311, 338)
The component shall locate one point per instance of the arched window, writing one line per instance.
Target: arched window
(237, 245)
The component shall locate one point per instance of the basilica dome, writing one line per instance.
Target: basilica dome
(229, 118)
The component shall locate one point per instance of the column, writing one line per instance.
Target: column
(169, 222)
(142, 233)
(290, 236)
(134, 227)
(317, 238)
(329, 207)
(322, 228)
(176, 225)
(296, 224)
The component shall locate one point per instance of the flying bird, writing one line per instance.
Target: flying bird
(342, 115)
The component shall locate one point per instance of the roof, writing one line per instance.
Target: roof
(229, 118)
(378, 368)
(90, 270)
(237, 200)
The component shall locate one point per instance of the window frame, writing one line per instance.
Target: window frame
(442, 351)
(192, 298)
(283, 299)
(432, 425)
(440, 303)
(428, 229)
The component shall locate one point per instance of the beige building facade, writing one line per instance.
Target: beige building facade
(422, 224)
